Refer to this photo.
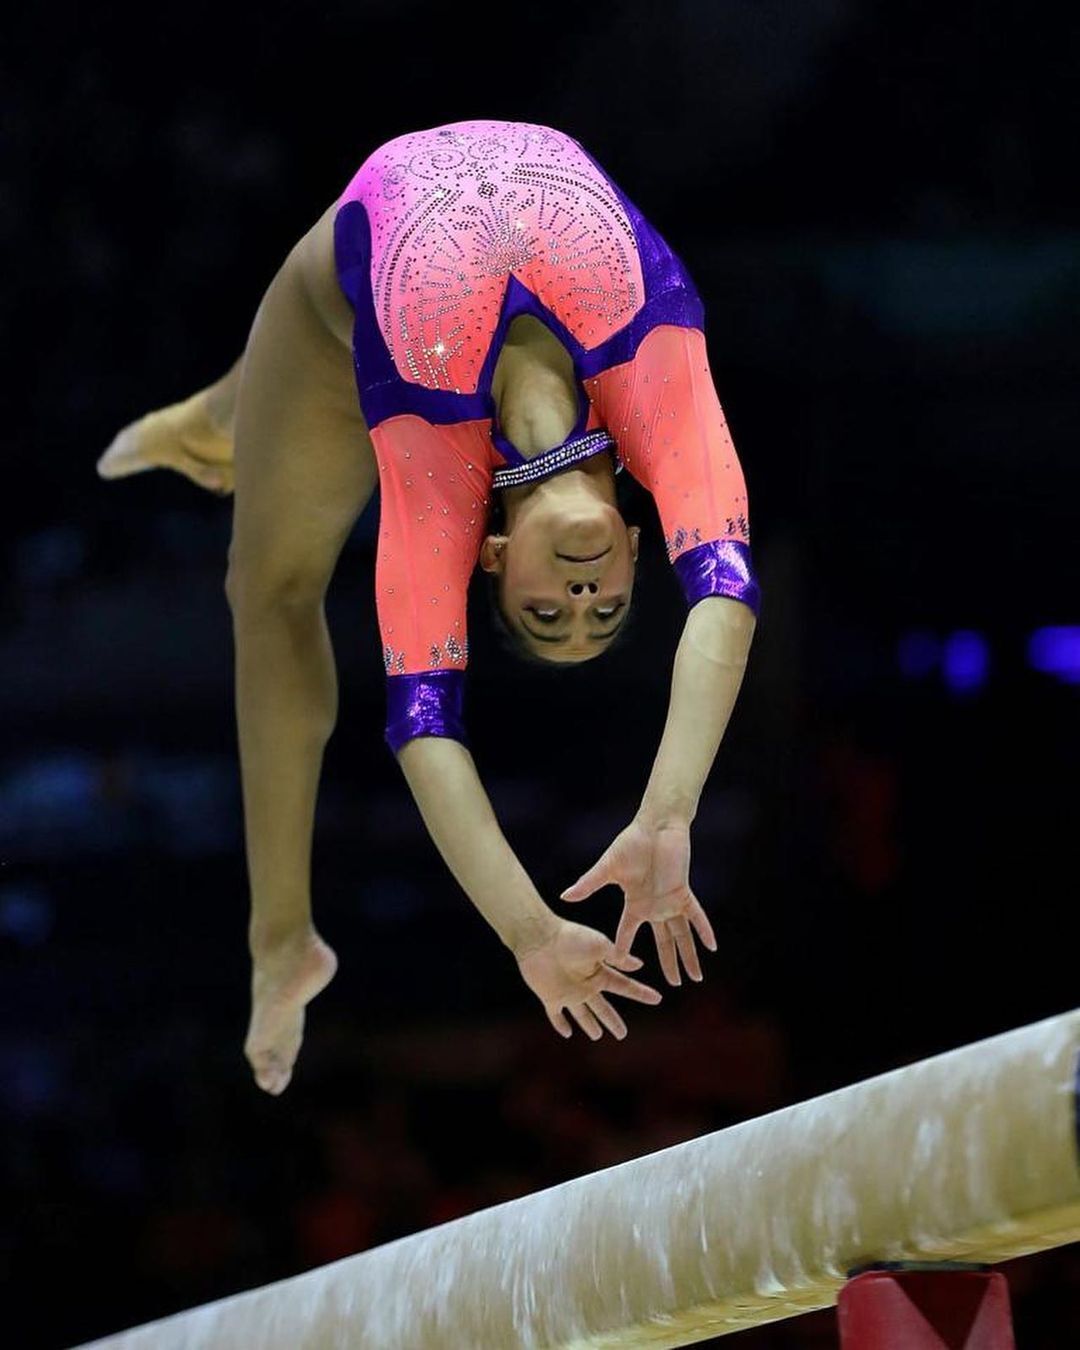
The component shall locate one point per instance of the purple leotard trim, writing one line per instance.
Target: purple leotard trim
(427, 704)
(670, 293)
(720, 568)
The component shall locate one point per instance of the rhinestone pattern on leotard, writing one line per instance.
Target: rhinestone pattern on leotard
(456, 210)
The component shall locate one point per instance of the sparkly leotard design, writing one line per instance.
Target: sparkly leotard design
(442, 238)
(455, 212)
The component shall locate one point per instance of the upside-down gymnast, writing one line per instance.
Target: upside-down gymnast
(517, 333)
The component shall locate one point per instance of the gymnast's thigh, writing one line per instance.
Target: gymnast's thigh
(305, 465)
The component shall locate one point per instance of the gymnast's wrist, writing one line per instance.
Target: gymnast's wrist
(666, 808)
(530, 931)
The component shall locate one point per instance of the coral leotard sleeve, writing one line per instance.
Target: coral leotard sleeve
(663, 410)
(434, 488)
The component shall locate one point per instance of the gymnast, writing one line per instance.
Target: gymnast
(518, 334)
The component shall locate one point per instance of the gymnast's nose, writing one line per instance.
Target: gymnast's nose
(583, 588)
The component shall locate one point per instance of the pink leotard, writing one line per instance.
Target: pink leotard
(442, 238)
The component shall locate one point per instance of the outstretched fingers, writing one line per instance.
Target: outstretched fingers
(627, 931)
(606, 1014)
(680, 931)
(699, 922)
(666, 951)
(623, 960)
(614, 982)
(594, 1017)
(586, 1021)
(588, 882)
(595, 1014)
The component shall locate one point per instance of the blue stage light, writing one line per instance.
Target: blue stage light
(966, 662)
(1056, 651)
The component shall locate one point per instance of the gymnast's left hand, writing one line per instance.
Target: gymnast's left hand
(652, 865)
(573, 970)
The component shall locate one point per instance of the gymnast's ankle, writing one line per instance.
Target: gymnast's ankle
(269, 938)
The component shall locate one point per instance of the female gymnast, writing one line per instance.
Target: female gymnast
(513, 326)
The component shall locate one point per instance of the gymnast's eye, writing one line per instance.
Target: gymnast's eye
(545, 615)
(609, 612)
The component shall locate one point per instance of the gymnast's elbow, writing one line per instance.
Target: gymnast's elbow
(732, 615)
(720, 629)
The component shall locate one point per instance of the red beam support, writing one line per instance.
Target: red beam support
(938, 1308)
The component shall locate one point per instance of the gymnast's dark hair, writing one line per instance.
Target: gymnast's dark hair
(509, 637)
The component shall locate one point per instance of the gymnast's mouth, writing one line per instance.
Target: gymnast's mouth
(593, 557)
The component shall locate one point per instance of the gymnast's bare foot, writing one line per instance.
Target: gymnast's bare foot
(184, 436)
(286, 976)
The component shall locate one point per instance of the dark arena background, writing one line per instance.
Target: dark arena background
(878, 204)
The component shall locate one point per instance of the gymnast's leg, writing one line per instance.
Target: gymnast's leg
(305, 469)
(194, 437)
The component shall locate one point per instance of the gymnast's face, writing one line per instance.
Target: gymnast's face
(566, 569)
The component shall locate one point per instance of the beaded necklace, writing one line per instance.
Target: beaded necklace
(560, 457)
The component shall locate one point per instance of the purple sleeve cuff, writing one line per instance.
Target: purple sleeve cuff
(720, 568)
(427, 704)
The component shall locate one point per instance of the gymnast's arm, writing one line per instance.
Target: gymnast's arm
(433, 495)
(571, 969)
(700, 492)
(709, 666)
(459, 817)
(650, 858)
(434, 491)
(679, 447)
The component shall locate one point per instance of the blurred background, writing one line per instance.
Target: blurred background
(876, 204)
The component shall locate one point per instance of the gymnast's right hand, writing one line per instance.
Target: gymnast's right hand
(180, 437)
(573, 970)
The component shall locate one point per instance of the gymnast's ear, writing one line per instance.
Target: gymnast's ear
(634, 531)
(492, 552)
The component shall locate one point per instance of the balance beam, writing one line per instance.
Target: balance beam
(969, 1156)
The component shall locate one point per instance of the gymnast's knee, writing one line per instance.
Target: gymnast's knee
(253, 588)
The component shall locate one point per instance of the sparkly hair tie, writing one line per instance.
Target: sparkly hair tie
(553, 461)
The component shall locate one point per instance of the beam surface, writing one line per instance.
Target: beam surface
(969, 1156)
